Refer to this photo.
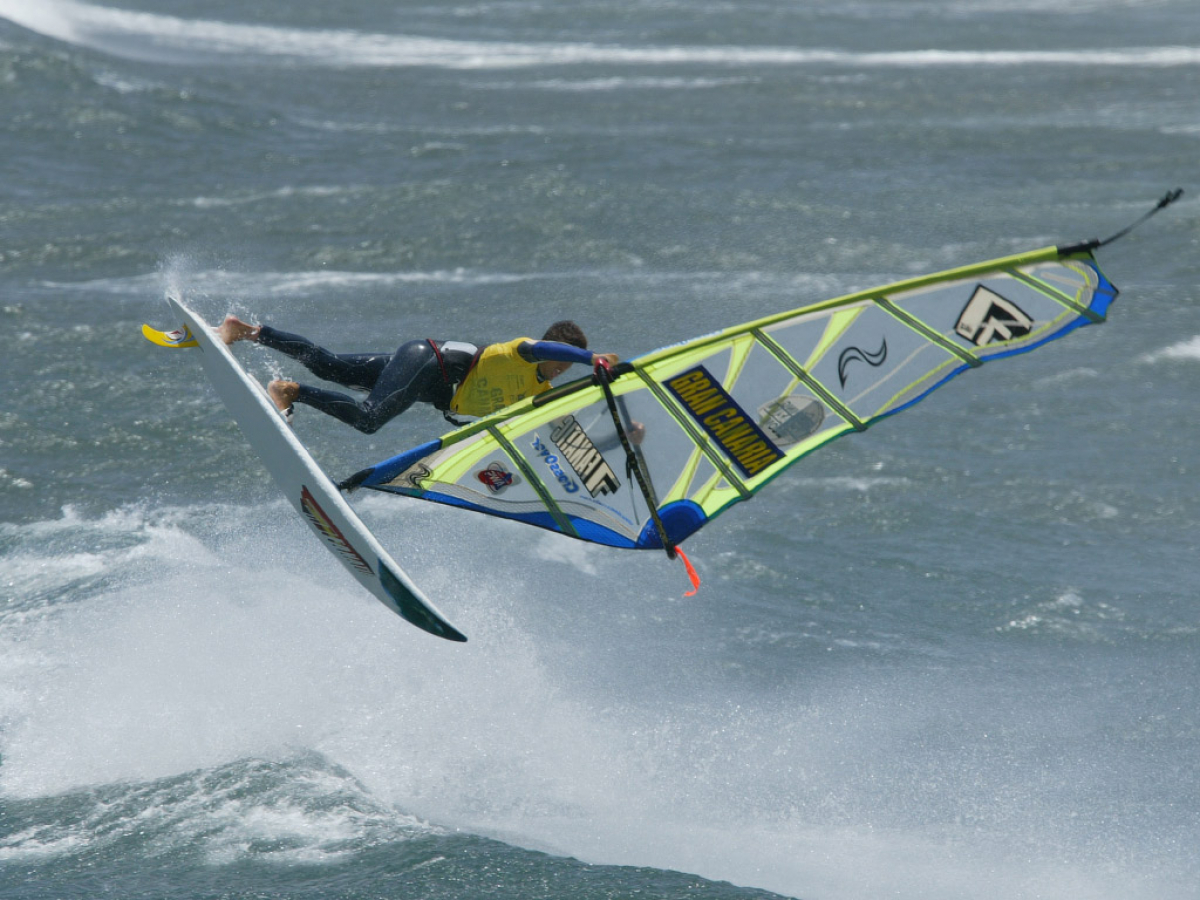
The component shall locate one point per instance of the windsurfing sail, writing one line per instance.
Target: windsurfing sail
(712, 421)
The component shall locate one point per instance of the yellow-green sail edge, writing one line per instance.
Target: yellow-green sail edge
(722, 415)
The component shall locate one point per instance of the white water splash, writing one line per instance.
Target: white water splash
(1188, 350)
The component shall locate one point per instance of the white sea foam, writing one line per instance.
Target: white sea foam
(1069, 376)
(181, 699)
(616, 83)
(576, 554)
(190, 279)
(858, 484)
(55, 20)
(286, 192)
(1188, 350)
(123, 84)
(172, 39)
(1189, 130)
(1068, 614)
(231, 282)
(299, 809)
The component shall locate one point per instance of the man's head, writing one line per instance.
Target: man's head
(566, 332)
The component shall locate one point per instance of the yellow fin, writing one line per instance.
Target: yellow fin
(169, 338)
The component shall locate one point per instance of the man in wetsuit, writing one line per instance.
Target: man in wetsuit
(451, 375)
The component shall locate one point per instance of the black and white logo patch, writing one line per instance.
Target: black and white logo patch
(989, 318)
(581, 454)
(791, 419)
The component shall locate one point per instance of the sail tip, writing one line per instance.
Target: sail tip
(1088, 246)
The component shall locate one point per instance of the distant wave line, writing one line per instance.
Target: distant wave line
(277, 282)
(165, 38)
(283, 282)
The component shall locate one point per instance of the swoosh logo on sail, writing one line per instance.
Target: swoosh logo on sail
(850, 354)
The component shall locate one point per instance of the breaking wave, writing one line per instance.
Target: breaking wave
(161, 38)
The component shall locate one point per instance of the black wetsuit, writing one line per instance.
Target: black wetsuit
(425, 371)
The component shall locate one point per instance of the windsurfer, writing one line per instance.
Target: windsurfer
(452, 376)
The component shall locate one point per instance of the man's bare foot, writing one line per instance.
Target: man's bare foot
(283, 393)
(234, 329)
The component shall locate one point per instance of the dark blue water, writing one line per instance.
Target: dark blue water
(954, 657)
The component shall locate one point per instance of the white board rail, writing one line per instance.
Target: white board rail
(308, 489)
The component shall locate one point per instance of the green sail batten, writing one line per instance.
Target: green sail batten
(811, 383)
(1055, 294)
(927, 332)
(698, 438)
(556, 513)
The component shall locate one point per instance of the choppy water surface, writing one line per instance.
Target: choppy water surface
(953, 657)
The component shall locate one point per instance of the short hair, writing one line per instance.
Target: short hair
(566, 332)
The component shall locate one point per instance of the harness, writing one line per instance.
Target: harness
(443, 402)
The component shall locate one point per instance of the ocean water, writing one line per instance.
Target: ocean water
(957, 656)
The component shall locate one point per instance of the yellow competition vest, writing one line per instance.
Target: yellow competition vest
(498, 379)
